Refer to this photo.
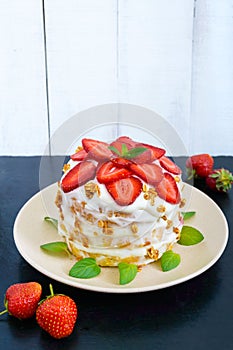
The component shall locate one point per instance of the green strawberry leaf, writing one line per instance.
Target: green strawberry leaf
(187, 215)
(54, 222)
(134, 152)
(85, 268)
(115, 150)
(55, 247)
(126, 153)
(190, 236)
(127, 272)
(169, 260)
(124, 150)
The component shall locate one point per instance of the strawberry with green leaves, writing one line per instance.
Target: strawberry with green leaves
(57, 315)
(199, 165)
(219, 180)
(21, 299)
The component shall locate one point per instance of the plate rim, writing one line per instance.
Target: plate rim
(120, 289)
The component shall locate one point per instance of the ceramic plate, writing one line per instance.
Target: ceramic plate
(30, 231)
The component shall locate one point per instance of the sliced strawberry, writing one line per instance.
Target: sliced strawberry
(123, 140)
(156, 151)
(125, 191)
(78, 176)
(150, 173)
(108, 172)
(169, 165)
(97, 150)
(167, 189)
(80, 155)
(121, 162)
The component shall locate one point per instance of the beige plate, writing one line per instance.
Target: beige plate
(30, 231)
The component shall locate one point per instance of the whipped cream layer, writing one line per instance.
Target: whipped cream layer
(94, 225)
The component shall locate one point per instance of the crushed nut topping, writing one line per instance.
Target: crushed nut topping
(176, 178)
(164, 217)
(169, 224)
(161, 208)
(78, 149)
(90, 189)
(182, 203)
(134, 228)
(153, 253)
(66, 167)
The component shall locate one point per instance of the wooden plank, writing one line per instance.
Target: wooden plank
(23, 114)
(155, 58)
(81, 42)
(211, 126)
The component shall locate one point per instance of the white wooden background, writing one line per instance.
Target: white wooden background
(60, 57)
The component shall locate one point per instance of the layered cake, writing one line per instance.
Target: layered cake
(120, 201)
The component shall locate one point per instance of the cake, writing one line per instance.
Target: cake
(120, 202)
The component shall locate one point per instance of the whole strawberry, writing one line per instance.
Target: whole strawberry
(199, 165)
(21, 299)
(219, 180)
(57, 315)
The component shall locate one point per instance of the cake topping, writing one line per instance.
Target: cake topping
(78, 176)
(150, 173)
(97, 150)
(125, 191)
(169, 165)
(108, 172)
(167, 189)
(123, 163)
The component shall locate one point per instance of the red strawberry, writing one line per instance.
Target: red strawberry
(21, 299)
(156, 152)
(169, 165)
(199, 165)
(219, 180)
(97, 150)
(78, 176)
(80, 155)
(167, 189)
(125, 191)
(57, 315)
(108, 172)
(121, 162)
(150, 173)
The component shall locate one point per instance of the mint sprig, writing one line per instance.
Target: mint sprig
(190, 236)
(53, 221)
(55, 247)
(128, 153)
(169, 260)
(127, 272)
(188, 214)
(85, 268)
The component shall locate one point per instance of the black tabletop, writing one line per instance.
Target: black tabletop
(196, 314)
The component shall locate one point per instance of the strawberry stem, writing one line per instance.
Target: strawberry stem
(3, 312)
(51, 290)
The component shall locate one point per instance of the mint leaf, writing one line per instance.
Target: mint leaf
(134, 152)
(54, 222)
(55, 247)
(115, 150)
(127, 272)
(124, 150)
(190, 236)
(169, 260)
(85, 268)
(187, 215)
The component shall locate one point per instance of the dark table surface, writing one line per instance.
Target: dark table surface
(196, 314)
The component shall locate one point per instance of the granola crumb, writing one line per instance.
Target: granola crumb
(134, 228)
(161, 208)
(90, 189)
(182, 203)
(153, 253)
(66, 167)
